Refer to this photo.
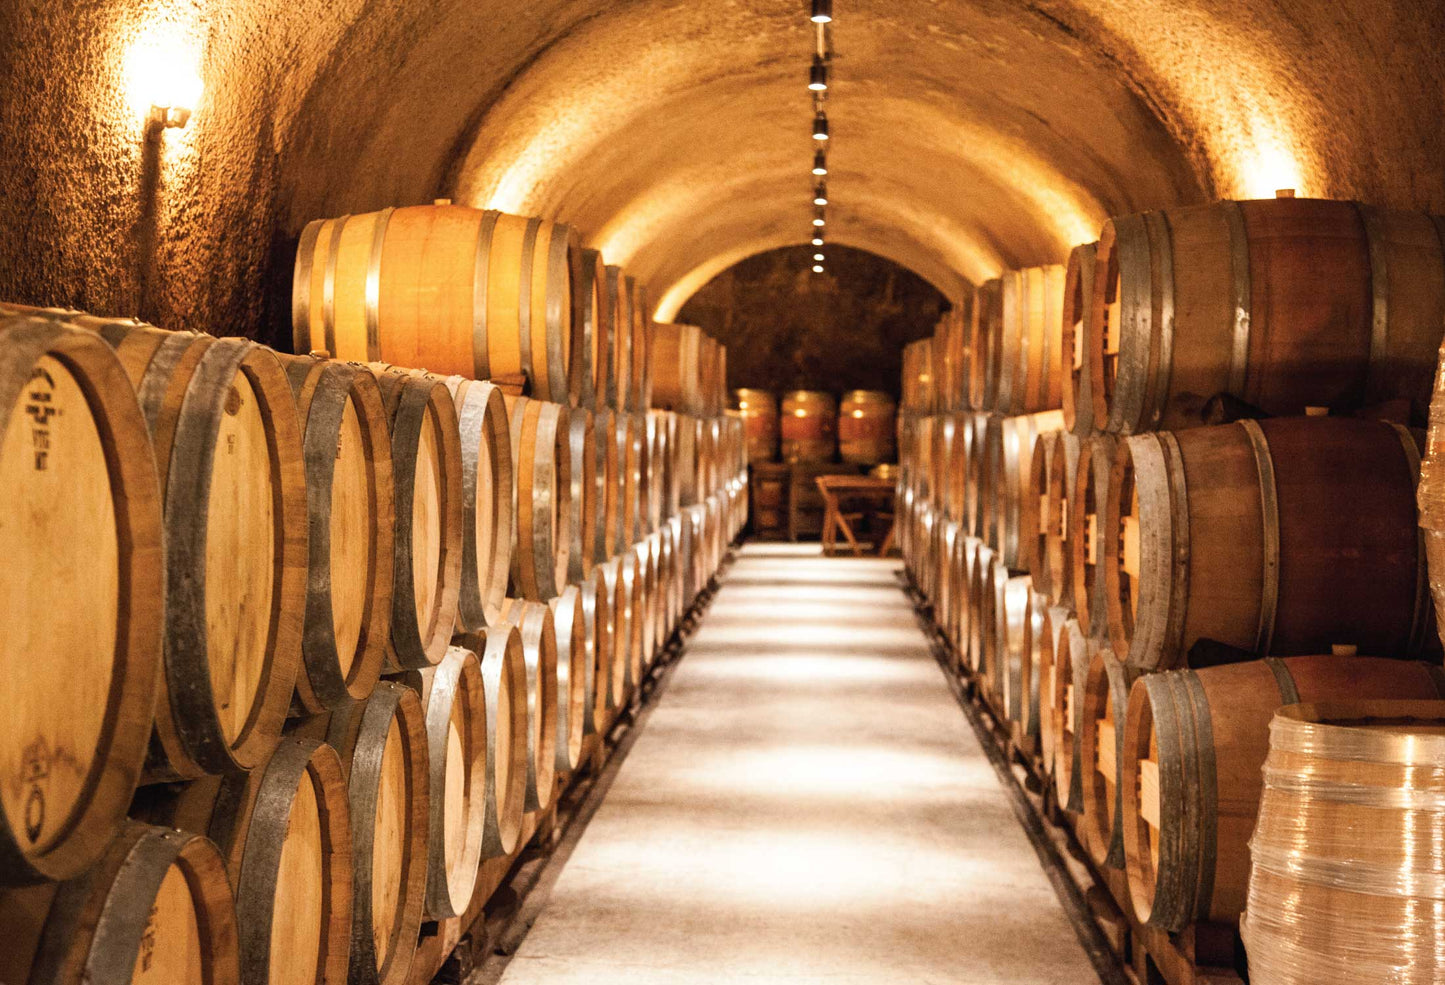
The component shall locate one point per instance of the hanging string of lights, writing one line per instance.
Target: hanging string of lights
(818, 72)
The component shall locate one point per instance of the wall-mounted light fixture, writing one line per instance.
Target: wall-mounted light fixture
(163, 79)
(820, 126)
(818, 75)
(820, 193)
(822, 11)
(820, 163)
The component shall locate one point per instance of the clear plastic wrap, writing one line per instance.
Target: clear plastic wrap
(1347, 883)
(1430, 495)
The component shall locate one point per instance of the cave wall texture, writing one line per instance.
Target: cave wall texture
(970, 135)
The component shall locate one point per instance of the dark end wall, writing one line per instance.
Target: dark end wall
(786, 327)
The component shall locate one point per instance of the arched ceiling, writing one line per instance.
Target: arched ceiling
(970, 135)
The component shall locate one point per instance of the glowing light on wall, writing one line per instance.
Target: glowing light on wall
(163, 75)
(1266, 161)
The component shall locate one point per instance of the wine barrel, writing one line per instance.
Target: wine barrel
(542, 503)
(1284, 304)
(229, 452)
(1050, 654)
(634, 584)
(1078, 393)
(978, 601)
(1083, 545)
(1281, 536)
(286, 833)
(655, 436)
(1101, 752)
(449, 289)
(713, 371)
(155, 909)
(1008, 448)
(619, 368)
(504, 689)
(349, 496)
(538, 629)
(1073, 652)
(575, 679)
(486, 444)
(945, 436)
(582, 498)
(619, 603)
(1015, 629)
(641, 380)
(955, 471)
(427, 469)
(661, 626)
(1194, 744)
(1063, 475)
(808, 427)
(975, 440)
(1030, 336)
(1034, 511)
(646, 636)
(597, 621)
(1031, 667)
(1344, 885)
(454, 700)
(676, 382)
(918, 385)
(759, 410)
(593, 354)
(866, 427)
(84, 596)
(983, 331)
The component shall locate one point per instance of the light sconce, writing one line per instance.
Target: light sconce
(820, 126)
(818, 75)
(822, 11)
(163, 80)
(820, 163)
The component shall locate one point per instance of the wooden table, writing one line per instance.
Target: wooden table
(857, 487)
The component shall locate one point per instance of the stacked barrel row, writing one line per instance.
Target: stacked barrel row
(1161, 491)
(302, 649)
(813, 427)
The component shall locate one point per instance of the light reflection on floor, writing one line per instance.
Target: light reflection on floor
(806, 805)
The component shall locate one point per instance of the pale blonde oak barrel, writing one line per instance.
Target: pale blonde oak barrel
(808, 426)
(1194, 744)
(1030, 339)
(1073, 652)
(1352, 789)
(1105, 702)
(445, 288)
(1078, 391)
(984, 328)
(867, 427)
(582, 497)
(575, 679)
(383, 747)
(645, 636)
(676, 370)
(538, 629)
(1280, 537)
(1034, 511)
(1003, 480)
(597, 621)
(713, 372)
(229, 452)
(1051, 655)
(759, 410)
(1031, 670)
(618, 603)
(83, 590)
(974, 438)
(1283, 304)
(635, 477)
(155, 909)
(426, 461)
(619, 368)
(607, 483)
(486, 446)
(593, 354)
(918, 380)
(632, 583)
(349, 497)
(504, 691)
(284, 830)
(542, 497)
(944, 435)
(641, 381)
(1063, 474)
(453, 699)
(660, 466)
(1084, 546)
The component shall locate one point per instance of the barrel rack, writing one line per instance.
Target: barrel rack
(1124, 951)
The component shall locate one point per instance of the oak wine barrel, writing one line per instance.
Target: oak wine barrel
(229, 452)
(975, 440)
(619, 602)
(1008, 449)
(1194, 744)
(636, 482)
(542, 497)
(918, 378)
(504, 689)
(285, 833)
(645, 637)
(1279, 537)
(450, 289)
(83, 591)
(349, 494)
(597, 618)
(1078, 393)
(676, 379)
(1057, 512)
(619, 368)
(759, 410)
(592, 356)
(1032, 696)
(1029, 340)
(808, 426)
(575, 679)
(486, 445)
(1101, 751)
(866, 427)
(155, 909)
(1034, 511)
(641, 381)
(1051, 655)
(582, 497)
(1073, 653)
(538, 629)
(1084, 546)
(1283, 304)
(427, 470)
(984, 327)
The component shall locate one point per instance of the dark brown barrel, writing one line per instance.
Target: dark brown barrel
(582, 498)
(486, 443)
(155, 909)
(1078, 303)
(1063, 473)
(83, 591)
(1195, 742)
(983, 330)
(542, 515)
(426, 460)
(285, 831)
(229, 452)
(1073, 653)
(1101, 750)
(808, 426)
(574, 679)
(349, 496)
(538, 629)
(1282, 536)
(759, 410)
(1284, 304)
(454, 701)
(592, 357)
(866, 426)
(504, 689)
(1083, 543)
(1030, 367)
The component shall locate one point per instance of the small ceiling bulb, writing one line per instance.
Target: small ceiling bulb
(820, 194)
(822, 11)
(820, 163)
(820, 126)
(818, 75)
(817, 268)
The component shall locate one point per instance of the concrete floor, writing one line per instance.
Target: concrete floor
(805, 805)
